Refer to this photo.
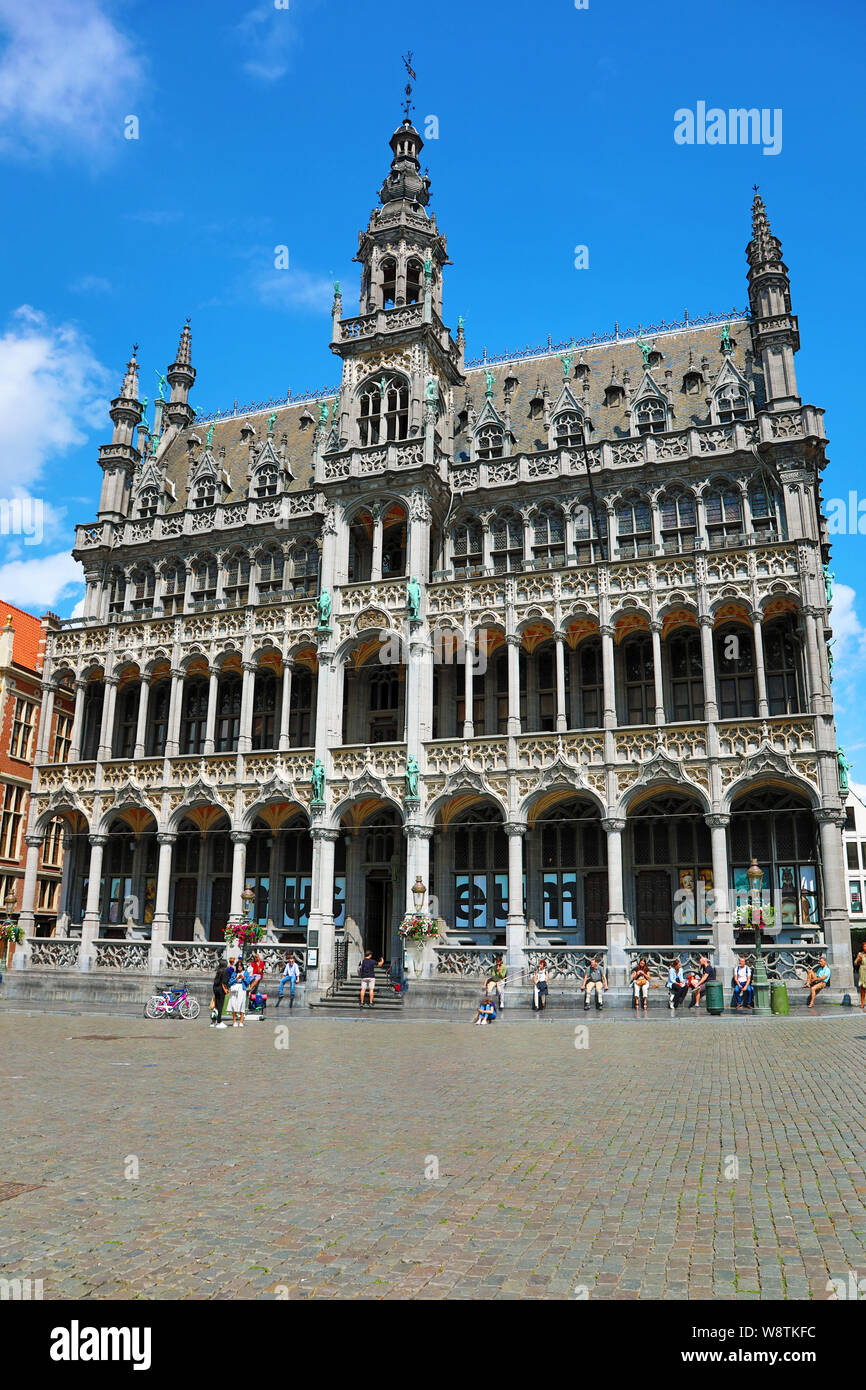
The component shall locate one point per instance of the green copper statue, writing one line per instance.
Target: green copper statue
(161, 382)
(566, 361)
(209, 438)
(337, 290)
(489, 378)
(461, 323)
(726, 339)
(844, 769)
(323, 604)
(413, 599)
(317, 781)
(412, 770)
(645, 350)
(272, 420)
(323, 412)
(432, 390)
(828, 584)
(428, 270)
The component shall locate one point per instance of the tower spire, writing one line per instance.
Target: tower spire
(411, 75)
(181, 375)
(775, 335)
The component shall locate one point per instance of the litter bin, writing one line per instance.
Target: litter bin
(715, 997)
(779, 998)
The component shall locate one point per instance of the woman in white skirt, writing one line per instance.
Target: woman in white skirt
(238, 996)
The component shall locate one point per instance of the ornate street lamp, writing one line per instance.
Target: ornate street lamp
(419, 893)
(760, 982)
(248, 897)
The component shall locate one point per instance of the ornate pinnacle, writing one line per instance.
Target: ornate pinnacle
(129, 389)
(764, 247)
(183, 348)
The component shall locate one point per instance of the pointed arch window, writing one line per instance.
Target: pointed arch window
(548, 548)
(589, 546)
(173, 586)
(148, 503)
(506, 543)
(732, 403)
(126, 720)
(384, 411)
(270, 572)
(637, 656)
(228, 714)
(143, 588)
(305, 569)
(265, 696)
(567, 430)
(266, 481)
(481, 875)
(735, 665)
(634, 529)
(650, 416)
(678, 522)
(762, 510)
(414, 281)
(467, 545)
(157, 718)
(723, 509)
(193, 721)
(205, 493)
(204, 579)
(489, 443)
(687, 675)
(237, 580)
(591, 683)
(389, 282)
(116, 590)
(782, 665)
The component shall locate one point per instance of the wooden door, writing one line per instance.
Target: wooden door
(183, 916)
(595, 908)
(377, 916)
(219, 907)
(654, 922)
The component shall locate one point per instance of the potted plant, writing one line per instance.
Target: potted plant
(11, 935)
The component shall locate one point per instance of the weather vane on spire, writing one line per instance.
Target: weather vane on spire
(410, 75)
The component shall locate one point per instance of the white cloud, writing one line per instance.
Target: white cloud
(52, 389)
(91, 284)
(848, 631)
(295, 289)
(267, 37)
(67, 77)
(41, 583)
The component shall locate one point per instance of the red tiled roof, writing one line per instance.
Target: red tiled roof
(28, 630)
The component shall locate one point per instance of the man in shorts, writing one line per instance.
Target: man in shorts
(817, 980)
(594, 982)
(367, 971)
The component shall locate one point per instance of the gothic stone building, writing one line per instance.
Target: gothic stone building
(610, 666)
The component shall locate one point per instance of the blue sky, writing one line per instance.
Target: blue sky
(261, 126)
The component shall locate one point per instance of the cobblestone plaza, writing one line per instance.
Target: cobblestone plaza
(704, 1159)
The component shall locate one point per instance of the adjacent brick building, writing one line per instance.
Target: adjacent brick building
(22, 651)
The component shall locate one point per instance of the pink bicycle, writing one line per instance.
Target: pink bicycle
(172, 1002)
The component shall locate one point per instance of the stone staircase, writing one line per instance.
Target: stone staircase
(345, 996)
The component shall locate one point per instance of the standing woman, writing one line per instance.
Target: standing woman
(238, 996)
(860, 961)
(640, 979)
(539, 980)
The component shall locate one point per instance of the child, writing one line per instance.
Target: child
(486, 1011)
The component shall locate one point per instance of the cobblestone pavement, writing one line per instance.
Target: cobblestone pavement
(303, 1171)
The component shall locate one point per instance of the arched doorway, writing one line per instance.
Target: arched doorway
(672, 872)
(567, 858)
(776, 827)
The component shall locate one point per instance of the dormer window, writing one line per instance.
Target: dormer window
(489, 443)
(205, 494)
(650, 416)
(567, 430)
(582, 372)
(384, 411)
(732, 403)
(266, 481)
(654, 359)
(148, 503)
(614, 395)
(692, 383)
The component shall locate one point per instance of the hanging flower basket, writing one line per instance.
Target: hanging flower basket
(244, 933)
(9, 931)
(417, 926)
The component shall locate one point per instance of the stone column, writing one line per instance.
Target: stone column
(617, 922)
(46, 715)
(608, 676)
(160, 927)
(91, 922)
(212, 702)
(656, 629)
(376, 559)
(285, 743)
(322, 904)
(468, 673)
(837, 930)
(813, 661)
(175, 704)
(711, 706)
(26, 917)
(561, 712)
(240, 840)
(106, 732)
(515, 927)
(245, 741)
(763, 707)
(77, 723)
(514, 645)
(417, 861)
(723, 927)
(141, 723)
